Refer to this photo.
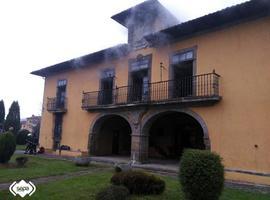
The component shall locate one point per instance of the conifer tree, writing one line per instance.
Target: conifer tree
(2, 115)
(13, 121)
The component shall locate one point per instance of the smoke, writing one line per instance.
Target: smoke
(78, 62)
(145, 19)
(115, 52)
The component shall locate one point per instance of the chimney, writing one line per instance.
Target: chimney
(144, 19)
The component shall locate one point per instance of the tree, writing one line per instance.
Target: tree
(2, 115)
(13, 120)
(7, 146)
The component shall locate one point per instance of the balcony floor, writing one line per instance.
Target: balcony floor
(183, 101)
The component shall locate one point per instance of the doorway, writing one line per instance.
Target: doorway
(61, 94)
(139, 73)
(113, 137)
(139, 90)
(106, 91)
(183, 74)
(115, 142)
(57, 132)
(171, 133)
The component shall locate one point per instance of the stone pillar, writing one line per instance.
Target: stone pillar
(207, 143)
(92, 143)
(139, 148)
(139, 142)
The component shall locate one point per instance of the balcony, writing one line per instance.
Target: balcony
(196, 90)
(57, 105)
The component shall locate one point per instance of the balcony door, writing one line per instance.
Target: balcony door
(139, 79)
(183, 71)
(61, 93)
(58, 120)
(139, 89)
(106, 87)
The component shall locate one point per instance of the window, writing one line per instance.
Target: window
(182, 57)
(62, 83)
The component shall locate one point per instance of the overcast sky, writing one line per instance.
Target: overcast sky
(39, 33)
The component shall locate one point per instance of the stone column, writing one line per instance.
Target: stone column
(207, 143)
(92, 143)
(139, 148)
(139, 142)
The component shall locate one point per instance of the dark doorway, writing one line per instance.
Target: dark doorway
(61, 94)
(182, 66)
(183, 79)
(139, 89)
(139, 73)
(106, 92)
(115, 142)
(57, 133)
(113, 137)
(171, 133)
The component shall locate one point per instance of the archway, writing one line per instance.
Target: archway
(111, 135)
(171, 132)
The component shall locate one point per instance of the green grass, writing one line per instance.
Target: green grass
(86, 187)
(20, 147)
(36, 167)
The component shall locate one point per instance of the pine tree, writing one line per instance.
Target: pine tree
(13, 118)
(2, 115)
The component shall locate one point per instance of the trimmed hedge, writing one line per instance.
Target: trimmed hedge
(201, 175)
(113, 192)
(139, 182)
(7, 146)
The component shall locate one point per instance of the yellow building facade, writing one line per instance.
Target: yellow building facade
(201, 84)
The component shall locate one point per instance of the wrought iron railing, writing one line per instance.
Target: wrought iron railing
(56, 104)
(185, 88)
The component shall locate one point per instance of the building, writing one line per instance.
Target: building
(30, 123)
(200, 84)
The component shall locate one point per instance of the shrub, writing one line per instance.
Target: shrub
(122, 167)
(117, 169)
(22, 136)
(201, 175)
(7, 146)
(21, 161)
(139, 182)
(82, 161)
(113, 192)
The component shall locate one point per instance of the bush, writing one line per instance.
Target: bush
(201, 175)
(117, 169)
(139, 182)
(82, 161)
(21, 161)
(22, 136)
(113, 192)
(122, 167)
(7, 146)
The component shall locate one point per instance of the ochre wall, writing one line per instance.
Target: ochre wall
(240, 54)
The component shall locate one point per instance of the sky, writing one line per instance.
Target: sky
(38, 33)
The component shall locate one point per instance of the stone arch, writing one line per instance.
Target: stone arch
(96, 125)
(150, 117)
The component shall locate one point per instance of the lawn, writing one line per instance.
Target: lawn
(36, 167)
(20, 147)
(86, 187)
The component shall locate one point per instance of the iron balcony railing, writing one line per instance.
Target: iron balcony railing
(57, 104)
(199, 87)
